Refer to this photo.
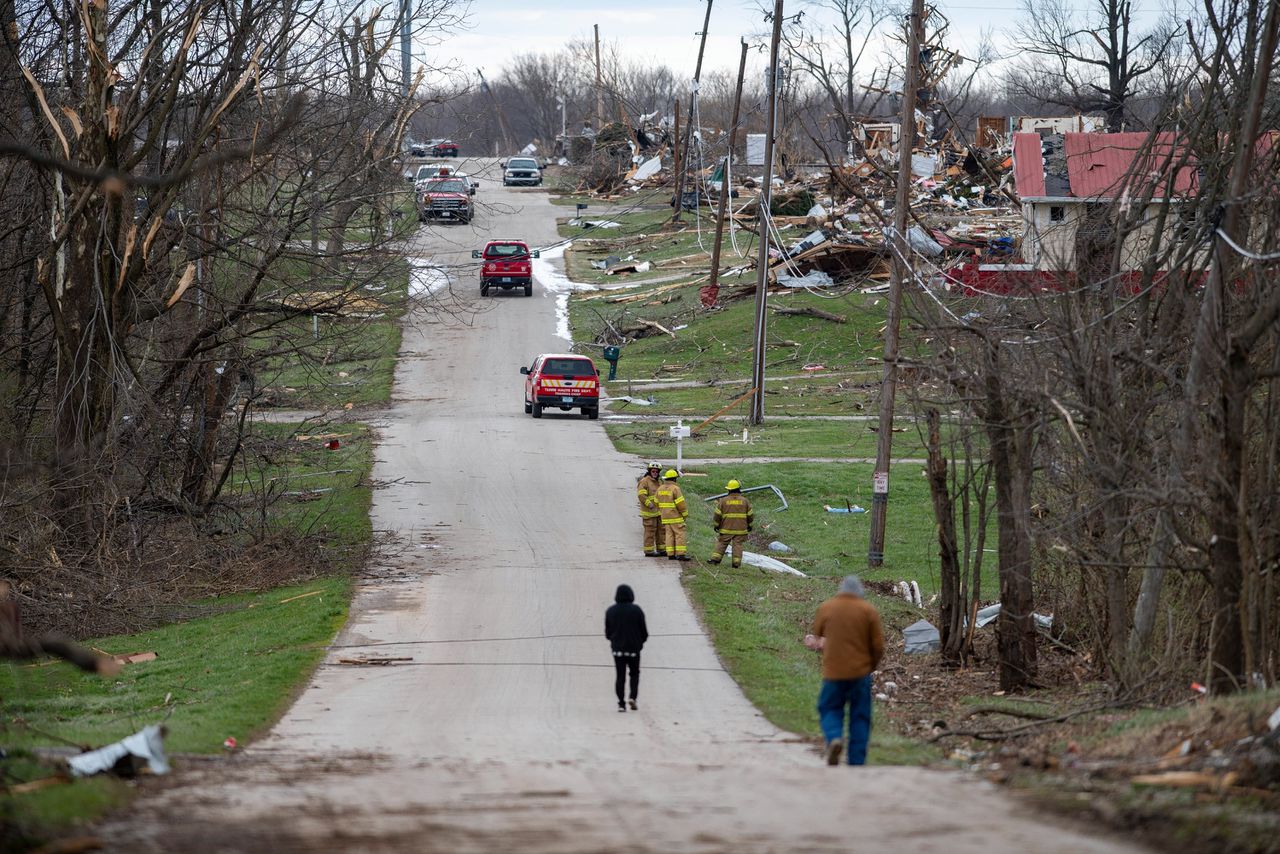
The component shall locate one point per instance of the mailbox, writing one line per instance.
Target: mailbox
(611, 355)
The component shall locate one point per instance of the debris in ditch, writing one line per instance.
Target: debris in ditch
(849, 508)
(376, 661)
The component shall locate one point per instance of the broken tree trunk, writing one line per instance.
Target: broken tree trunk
(812, 312)
(952, 607)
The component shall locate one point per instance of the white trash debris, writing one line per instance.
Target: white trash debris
(146, 745)
(910, 591)
(647, 169)
(766, 562)
(812, 279)
(779, 546)
(988, 615)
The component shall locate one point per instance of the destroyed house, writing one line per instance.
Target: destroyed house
(1074, 187)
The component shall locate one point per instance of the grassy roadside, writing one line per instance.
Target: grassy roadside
(229, 670)
(231, 673)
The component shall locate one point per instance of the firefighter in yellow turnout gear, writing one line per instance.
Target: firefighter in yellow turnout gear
(650, 516)
(734, 518)
(674, 514)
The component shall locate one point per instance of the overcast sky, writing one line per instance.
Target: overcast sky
(664, 31)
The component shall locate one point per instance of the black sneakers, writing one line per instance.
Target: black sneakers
(834, 749)
(622, 707)
(633, 704)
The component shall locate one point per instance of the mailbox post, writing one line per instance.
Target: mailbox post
(680, 432)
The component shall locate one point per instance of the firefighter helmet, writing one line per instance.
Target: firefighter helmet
(732, 485)
(670, 474)
(654, 464)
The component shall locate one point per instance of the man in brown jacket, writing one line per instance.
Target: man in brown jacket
(733, 520)
(847, 629)
(650, 515)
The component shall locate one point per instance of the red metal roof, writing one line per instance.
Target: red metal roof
(1106, 165)
(1028, 164)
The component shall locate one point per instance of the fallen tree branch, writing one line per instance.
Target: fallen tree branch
(1023, 729)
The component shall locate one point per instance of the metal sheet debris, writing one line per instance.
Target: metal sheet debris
(921, 637)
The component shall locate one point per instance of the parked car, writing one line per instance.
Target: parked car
(445, 198)
(521, 170)
(506, 264)
(565, 381)
(444, 148)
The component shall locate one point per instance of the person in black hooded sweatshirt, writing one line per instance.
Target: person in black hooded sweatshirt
(624, 627)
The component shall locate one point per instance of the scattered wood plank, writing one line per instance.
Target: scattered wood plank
(37, 785)
(1185, 779)
(136, 657)
(300, 596)
(723, 410)
(808, 311)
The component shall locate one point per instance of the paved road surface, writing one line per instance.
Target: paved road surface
(502, 733)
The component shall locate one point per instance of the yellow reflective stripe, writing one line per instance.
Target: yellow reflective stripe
(734, 515)
(672, 521)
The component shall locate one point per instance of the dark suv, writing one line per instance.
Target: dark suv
(521, 170)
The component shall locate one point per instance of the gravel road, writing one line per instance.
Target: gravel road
(501, 733)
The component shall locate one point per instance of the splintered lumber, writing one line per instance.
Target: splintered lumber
(812, 312)
(654, 325)
(723, 410)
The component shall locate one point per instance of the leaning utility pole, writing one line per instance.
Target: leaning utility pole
(599, 84)
(406, 44)
(688, 133)
(766, 197)
(714, 283)
(901, 272)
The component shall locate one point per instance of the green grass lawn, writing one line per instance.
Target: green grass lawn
(231, 673)
(816, 438)
(315, 491)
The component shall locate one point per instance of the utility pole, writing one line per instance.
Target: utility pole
(406, 44)
(676, 148)
(724, 174)
(901, 272)
(502, 116)
(766, 196)
(599, 84)
(688, 133)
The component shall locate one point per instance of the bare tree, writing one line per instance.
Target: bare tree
(1095, 60)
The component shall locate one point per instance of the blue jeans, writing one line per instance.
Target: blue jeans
(856, 694)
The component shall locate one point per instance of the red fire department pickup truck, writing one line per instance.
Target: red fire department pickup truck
(506, 265)
(445, 198)
(567, 381)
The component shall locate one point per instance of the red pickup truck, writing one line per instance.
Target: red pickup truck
(564, 380)
(506, 264)
(446, 198)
